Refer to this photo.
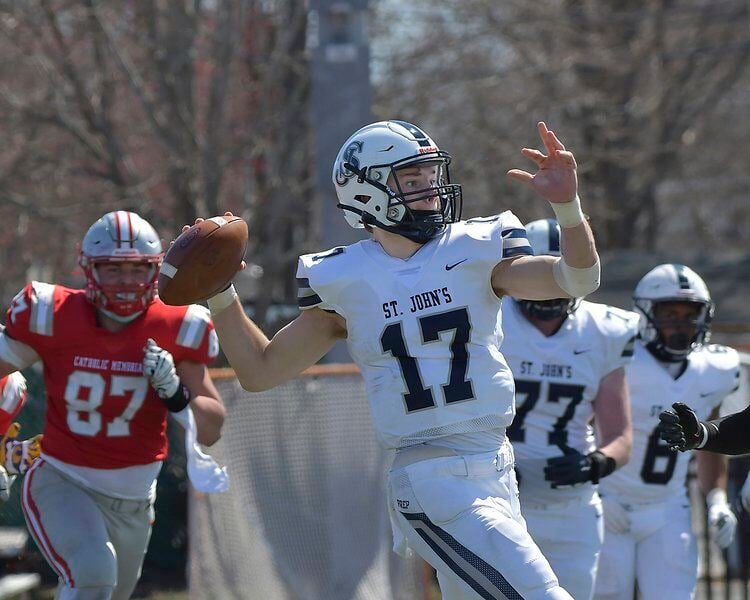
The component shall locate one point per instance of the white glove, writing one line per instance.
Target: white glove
(616, 518)
(158, 366)
(721, 519)
(5, 482)
(745, 494)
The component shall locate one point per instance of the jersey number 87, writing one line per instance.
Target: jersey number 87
(96, 385)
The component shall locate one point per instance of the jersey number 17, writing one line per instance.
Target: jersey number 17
(458, 388)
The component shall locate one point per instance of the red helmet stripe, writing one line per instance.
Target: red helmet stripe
(118, 239)
(130, 229)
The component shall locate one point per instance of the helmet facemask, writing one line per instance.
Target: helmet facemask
(672, 339)
(418, 225)
(548, 310)
(121, 302)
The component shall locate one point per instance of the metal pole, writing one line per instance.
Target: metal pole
(341, 99)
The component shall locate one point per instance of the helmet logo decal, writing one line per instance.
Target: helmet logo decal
(343, 175)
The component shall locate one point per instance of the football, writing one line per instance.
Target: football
(203, 260)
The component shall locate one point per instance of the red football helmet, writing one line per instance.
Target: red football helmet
(118, 237)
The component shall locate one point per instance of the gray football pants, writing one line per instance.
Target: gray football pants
(94, 543)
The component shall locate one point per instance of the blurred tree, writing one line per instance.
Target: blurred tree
(647, 93)
(173, 109)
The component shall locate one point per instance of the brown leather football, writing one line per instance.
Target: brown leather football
(203, 260)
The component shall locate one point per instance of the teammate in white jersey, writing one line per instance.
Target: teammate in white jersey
(418, 305)
(567, 357)
(648, 536)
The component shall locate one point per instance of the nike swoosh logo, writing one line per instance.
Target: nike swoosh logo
(707, 395)
(449, 267)
(581, 351)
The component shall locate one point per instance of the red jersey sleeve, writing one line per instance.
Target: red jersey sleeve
(30, 317)
(196, 339)
(12, 398)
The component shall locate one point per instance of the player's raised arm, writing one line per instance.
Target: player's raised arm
(577, 272)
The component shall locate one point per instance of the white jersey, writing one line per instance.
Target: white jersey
(423, 330)
(557, 379)
(655, 473)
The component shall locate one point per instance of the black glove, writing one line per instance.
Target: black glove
(575, 467)
(681, 429)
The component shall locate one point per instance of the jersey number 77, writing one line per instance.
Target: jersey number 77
(531, 392)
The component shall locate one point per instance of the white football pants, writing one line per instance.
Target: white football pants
(570, 536)
(461, 514)
(659, 552)
(94, 543)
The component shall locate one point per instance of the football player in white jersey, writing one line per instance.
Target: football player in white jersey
(648, 537)
(418, 305)
(567, 357)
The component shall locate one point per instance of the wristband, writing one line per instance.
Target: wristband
(179, 400)
(704, 435)
(601, 465)
(568, 214)
(574, 281)
(222, 300)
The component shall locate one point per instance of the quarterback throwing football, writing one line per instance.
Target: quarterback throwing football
(418, 305)
(116, 360)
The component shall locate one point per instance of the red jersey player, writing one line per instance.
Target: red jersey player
(116, 360)
(15, 456)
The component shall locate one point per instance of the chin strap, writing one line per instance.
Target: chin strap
(419, 235)
(660, 352)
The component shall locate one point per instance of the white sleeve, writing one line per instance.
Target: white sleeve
(307, 297)
(16, 353)
(620, 328)
(513, 234)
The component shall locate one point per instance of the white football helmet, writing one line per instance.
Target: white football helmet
(361, 172)
(672, 283)
(120, 236)
(544, 238)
